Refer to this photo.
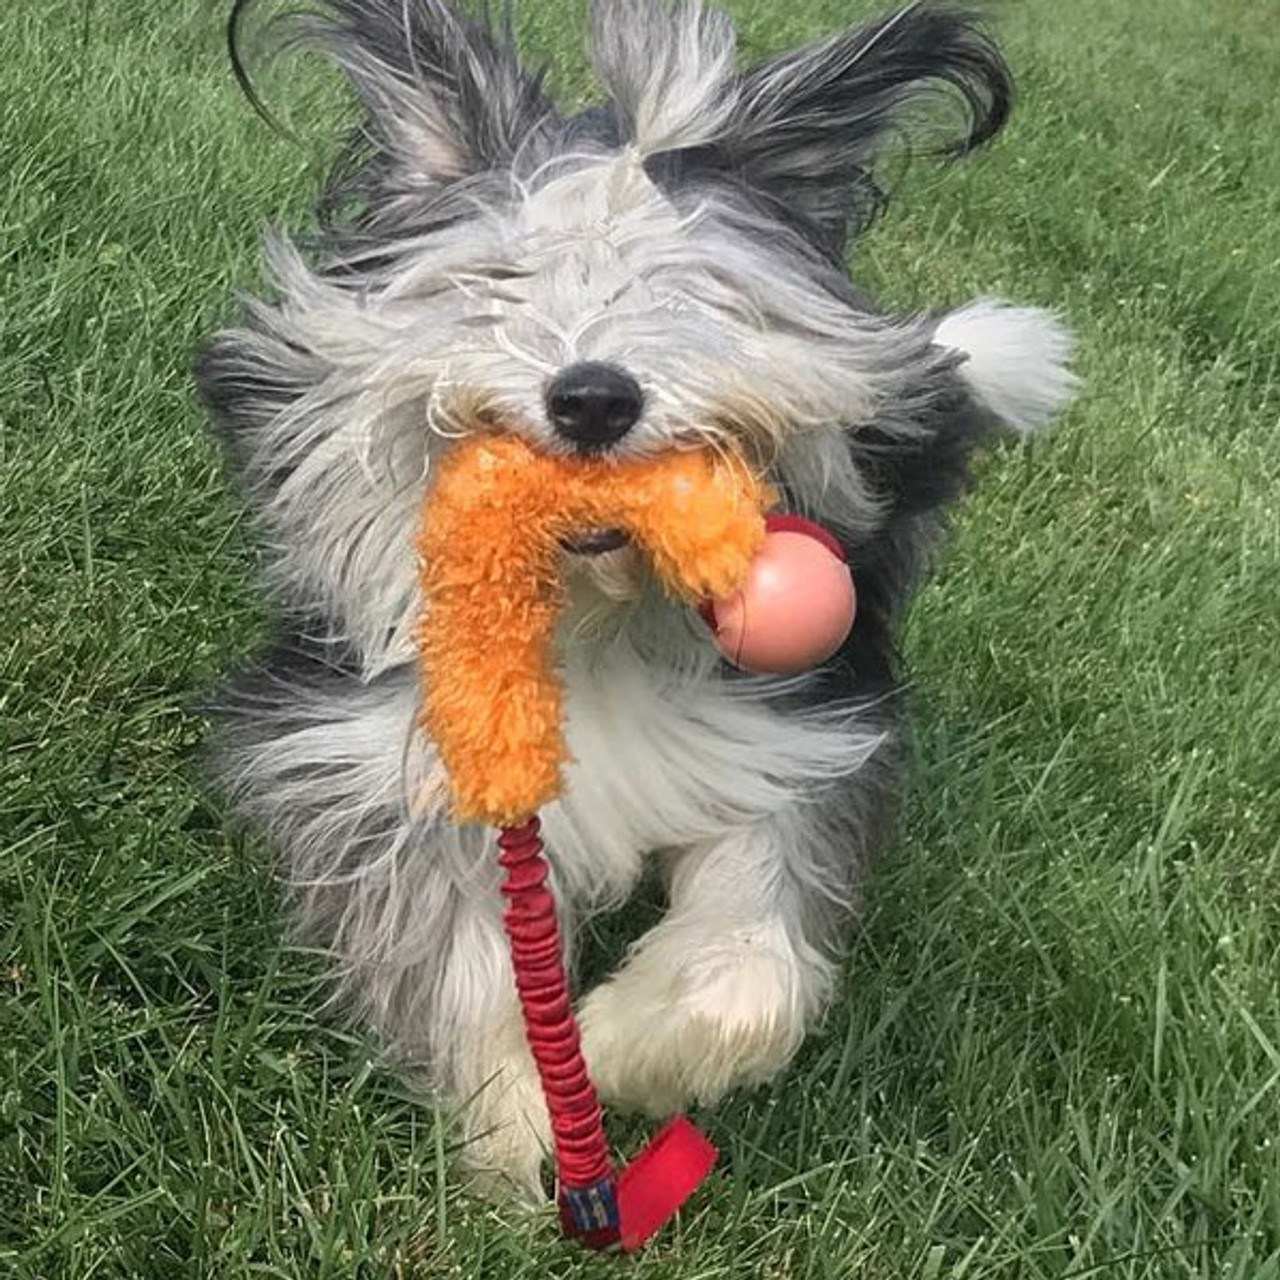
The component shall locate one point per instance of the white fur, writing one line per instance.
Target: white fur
(1017, 359)
(720, 993)
(665, 755)
(673, 77)
(504, 1118)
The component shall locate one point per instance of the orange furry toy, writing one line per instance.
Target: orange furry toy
(493, 527)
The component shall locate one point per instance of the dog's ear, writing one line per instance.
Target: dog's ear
(809, 124)
(668, 69)
(804, 128)
(445, 93)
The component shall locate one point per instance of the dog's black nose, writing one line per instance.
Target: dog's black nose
(593, 405)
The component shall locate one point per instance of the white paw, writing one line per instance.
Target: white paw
(506, 1130)
(685, 1022)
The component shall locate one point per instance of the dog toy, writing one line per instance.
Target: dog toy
(496, 521)
(796, 606)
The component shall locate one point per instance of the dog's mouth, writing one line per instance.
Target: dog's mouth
(595, 542)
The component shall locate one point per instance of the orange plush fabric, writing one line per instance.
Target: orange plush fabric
(490, 550)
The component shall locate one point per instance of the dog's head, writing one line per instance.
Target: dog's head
(664, 269)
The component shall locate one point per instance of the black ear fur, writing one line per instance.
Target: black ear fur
(810, 124)
(445, 93)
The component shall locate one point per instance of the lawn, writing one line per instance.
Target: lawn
(1057, 1051)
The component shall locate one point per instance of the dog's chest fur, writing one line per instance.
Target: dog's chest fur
(668, 750)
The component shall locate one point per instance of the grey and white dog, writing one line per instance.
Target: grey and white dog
(663, 269)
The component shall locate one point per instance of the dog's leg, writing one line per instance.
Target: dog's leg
(444, 1002)
(407, 904)
(428, 967)
(483, 1064)
(721, 992)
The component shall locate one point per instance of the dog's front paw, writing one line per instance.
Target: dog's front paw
(684, 1024)
(507, 1132)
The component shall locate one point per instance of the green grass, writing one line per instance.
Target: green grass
(1057, 1053)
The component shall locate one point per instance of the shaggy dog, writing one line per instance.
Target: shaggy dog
(661, 270)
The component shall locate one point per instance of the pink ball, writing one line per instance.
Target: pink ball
(797, 606)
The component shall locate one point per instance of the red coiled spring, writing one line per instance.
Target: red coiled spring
(577, 1123)
(597, 1205)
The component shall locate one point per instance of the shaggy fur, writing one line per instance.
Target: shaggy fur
(690, 231)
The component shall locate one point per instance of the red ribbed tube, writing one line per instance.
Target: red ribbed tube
(577, 1127)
